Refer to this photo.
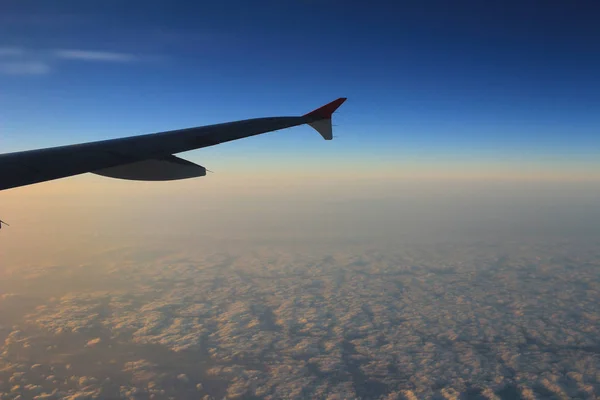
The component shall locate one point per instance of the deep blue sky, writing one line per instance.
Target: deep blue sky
(512, 80)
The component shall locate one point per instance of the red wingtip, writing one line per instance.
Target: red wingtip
(327, 110)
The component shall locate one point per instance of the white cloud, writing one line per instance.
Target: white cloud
(16, 60)
(86, 55)
(24, 68)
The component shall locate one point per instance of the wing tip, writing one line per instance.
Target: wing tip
(326, 111)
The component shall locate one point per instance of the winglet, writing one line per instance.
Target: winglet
(327, 110)
(320, 119)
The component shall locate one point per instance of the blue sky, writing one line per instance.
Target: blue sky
(428, 80)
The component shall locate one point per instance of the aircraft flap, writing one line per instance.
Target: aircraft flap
(157, 169)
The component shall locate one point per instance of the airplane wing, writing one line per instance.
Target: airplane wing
(146, 157)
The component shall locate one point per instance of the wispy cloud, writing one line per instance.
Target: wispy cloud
(24, 68)
(11, 51)
(16, 60)
(100, 56)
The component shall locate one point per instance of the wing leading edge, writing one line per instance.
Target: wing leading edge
(146, 157)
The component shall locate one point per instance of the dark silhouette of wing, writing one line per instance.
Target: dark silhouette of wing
(146, 157)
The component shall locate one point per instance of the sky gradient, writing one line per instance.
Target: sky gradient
(428, 84)
(446, 105)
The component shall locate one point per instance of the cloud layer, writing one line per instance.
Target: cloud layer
(486, 319)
